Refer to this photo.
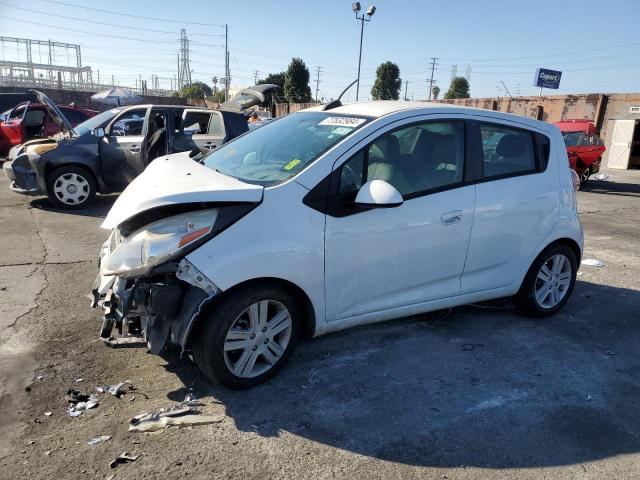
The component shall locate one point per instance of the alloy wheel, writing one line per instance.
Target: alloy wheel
(257, 338)
(71, 188)
(553, 281)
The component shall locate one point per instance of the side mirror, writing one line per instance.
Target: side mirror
(378, 194)
(98, 132)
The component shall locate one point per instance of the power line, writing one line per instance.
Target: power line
(155, 19)
(103, 23)
(122, 37)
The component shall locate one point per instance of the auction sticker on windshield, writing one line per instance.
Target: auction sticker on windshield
(343, 121)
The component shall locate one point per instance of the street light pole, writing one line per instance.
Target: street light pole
(362, 18)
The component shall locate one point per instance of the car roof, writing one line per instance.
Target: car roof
(381, 108)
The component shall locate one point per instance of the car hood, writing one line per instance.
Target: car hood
(54, 111)
(177, 179)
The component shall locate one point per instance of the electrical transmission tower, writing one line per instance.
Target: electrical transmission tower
(317, 81)
(255, 77)
(467, 73)
(454, 71)
(431, 81)
(184, 69)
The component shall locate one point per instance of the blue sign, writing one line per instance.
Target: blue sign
(547, 78)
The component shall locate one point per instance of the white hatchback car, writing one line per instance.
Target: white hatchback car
(334, 217)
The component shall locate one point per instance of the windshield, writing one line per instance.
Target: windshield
(279, 150)
(97, 121)
(571, 139)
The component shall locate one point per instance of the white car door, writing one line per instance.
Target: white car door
(517, 205)
(380, 259)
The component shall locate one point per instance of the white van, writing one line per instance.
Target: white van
(334, 217)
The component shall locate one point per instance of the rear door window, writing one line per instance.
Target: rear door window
(506, 151)
(197, 122)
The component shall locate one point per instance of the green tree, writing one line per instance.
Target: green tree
(196, 90)
(435, 91)
(296, 82)
(276, 79)
(218, 96)
(459, 88)
(388, 82)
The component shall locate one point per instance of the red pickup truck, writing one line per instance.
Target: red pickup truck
(584, 146)
(29, 120)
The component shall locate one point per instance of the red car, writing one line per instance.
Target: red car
(29, 120)
(584, 147)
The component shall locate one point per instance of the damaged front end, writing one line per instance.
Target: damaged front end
(149, 292)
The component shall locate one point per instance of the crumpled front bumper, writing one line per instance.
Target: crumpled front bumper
(158, 308)
(23, 178)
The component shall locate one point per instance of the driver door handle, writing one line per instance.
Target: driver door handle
(134, 148)
(451, 218)
(210, 145)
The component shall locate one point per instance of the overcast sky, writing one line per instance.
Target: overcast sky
(595, 44)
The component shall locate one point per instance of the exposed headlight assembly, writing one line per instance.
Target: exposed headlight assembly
(162, 240)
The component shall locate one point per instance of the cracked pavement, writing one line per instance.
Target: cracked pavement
(483, 393)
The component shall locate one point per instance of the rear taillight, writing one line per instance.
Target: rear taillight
(575, 178)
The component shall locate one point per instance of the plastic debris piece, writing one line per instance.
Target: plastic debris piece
(78, 380)
(48, 414)
(589, 398)
(102, 389)
(99, 439)
(592, 262)
(181, 414)
(111, 477)
(133, 397)
(601, 176)
(185, 420)
(76, 409)
(75, 396)
(119, 389)
(124, 457)
(40, 377)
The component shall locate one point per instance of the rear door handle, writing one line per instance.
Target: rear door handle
(450, 218)
(210, 145)
(134, 148)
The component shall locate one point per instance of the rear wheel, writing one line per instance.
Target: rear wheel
(549, 282)
(71, 187)
(247, 337)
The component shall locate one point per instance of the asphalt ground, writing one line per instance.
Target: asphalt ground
(479, 393)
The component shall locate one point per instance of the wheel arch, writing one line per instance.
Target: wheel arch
(50, 167)
(302, 299)
(570, 242)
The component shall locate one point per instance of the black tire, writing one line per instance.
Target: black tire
(87, 187)
(525, 300)
(211, 331)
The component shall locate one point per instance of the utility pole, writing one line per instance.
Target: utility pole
(317, 81)
(406, 84)
(433, 68)
(226, 62)
(255, 77)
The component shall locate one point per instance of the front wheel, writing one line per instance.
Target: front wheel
(71, 187)
(247, 337)
(549, 282)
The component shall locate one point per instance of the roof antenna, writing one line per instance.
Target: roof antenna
(337, 103)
